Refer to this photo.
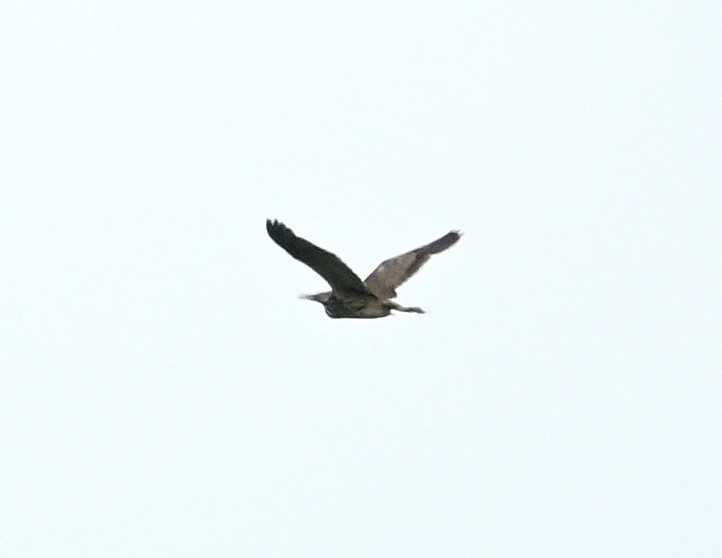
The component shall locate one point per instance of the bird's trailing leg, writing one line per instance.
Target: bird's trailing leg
(399, 308)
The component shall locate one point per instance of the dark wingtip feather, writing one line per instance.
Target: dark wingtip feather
(277, 230)
(445, 242)
(272, 224)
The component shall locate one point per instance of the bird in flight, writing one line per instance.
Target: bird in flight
(350, 297)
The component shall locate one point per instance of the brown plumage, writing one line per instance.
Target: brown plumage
(351, 297)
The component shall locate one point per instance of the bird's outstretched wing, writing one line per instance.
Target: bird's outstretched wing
(394, 271)
(327, 265)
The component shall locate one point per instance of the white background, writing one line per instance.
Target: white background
(163, 391)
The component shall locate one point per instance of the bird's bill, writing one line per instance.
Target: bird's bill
(319, 297)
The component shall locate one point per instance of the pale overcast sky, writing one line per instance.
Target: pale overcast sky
(165, 393)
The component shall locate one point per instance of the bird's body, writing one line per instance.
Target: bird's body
(351, 297)
(352, 306)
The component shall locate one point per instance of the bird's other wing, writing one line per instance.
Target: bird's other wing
(394, 271)
(327, 265)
